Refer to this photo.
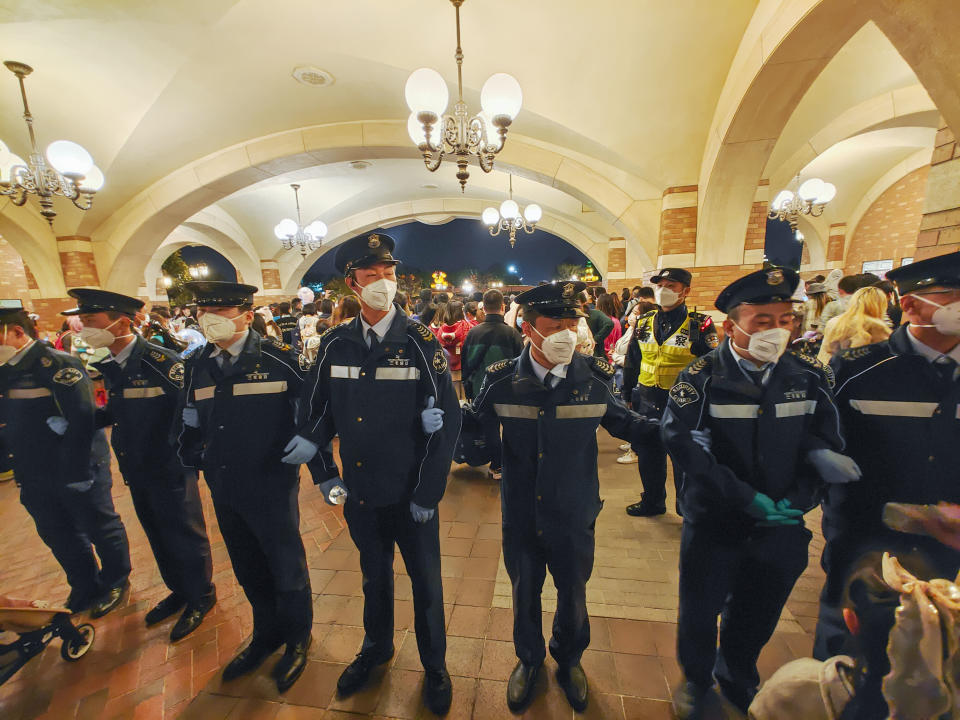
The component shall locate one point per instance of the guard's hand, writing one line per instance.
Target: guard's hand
(431, 418)
(769, 513)
(57, 424)
(701, 438)
(191, 417)
(834, 467)
(328, 488)
(421, 514)
(299, 450)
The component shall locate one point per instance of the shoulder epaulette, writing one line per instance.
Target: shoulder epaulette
(702, 318)
(858, 353)
(699, 365)
(603, 366)
(813, 362)
(278, 344)
(499, 365)
(423, 331)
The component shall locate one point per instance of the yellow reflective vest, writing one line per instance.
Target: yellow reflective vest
(661, 364)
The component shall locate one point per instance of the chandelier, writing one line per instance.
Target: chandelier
(510, 219)
(292, 233)
(810, 199)
(67, 171)
(482, 135)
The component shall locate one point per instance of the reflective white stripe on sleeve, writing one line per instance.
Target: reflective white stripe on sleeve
(204, 393)
(350, 372)
(29, 393)
(796, 407)
(736, 412)
(522, 412)
(392, 373)
(260, 388)
(569, 412)
(147, 392)
(895, 408)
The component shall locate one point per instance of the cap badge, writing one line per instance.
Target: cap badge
(774, 277)
(568, 291)
(373, 241)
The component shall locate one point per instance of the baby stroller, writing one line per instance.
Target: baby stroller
(36, 627)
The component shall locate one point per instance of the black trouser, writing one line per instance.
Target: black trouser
(70, 518)
(259, 519)
(169, 509)
(745, 576)
(375, 532)
(569, 556)
(652, 455)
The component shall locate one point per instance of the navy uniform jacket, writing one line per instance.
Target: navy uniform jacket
(289, 326)
(902, 424)
(373, 401)
(759, 436)
(142, 408)
(247, 412)
(47, 383)
(550, 439)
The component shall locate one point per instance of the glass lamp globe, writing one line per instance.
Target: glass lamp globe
(419, 136)
(828, 193)
(7, 163)
(532, 214)
(509, 209)
(811, 189)
(276, 231)
(93, 180)
(501, 95)
(318, 229)
(782, 199)
(286, 227)
(426, 90)
(490, 216)
(494, 141)
(69, 158)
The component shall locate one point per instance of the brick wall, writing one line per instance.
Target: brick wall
(678, 225)
(271, 275)
(77, 262)
(836, 242)
(889, 228)
(708, 281)
(49, 310)
(14, 283)
(940, 226)
(756, 227)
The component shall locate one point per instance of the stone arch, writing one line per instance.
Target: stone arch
(31, 236)
(436, 211)
(133, 233)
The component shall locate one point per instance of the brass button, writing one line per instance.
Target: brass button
(931, 458)
(539, 455)
(541, 412)
(539, 532)
(760, 411)
(400, 351)
(363, 374)
(359, 463)
(359, 419)
(937, 411)
(576, 392)
(539, 497)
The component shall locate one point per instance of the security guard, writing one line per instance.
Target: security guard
(755, 432)
(900, 404)
(61, 462)
(666, 341)
(287, 323)
(381, 382)
(550, 402)
(240, 395)
(144, 383)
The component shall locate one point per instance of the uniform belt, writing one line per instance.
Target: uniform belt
(29, 393)
(895, 408)
(147, 392)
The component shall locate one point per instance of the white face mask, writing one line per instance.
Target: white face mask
(765, 345)
(100, 337)
(379, 294)
(6, 351)
(559, 347)
(217, 328)
(946, 318)
(665, 297)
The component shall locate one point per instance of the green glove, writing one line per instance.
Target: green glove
(770, 513)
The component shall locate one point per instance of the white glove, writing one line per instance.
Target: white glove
(701, 438)
(432, 418)
(333, 490)
(57, 424)
(191, 417)
(299, 450)
(833, 466)
(421, 514)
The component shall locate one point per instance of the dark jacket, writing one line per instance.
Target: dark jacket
(290, 327)
(373, 399)
(601, 326)
(486, 343)
(759, 436)
(550, 439)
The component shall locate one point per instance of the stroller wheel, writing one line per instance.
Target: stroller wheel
(72, 650)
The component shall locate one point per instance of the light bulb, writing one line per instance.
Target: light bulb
(494, 141)
(490, 216)
(426, 90)
(782, 199)
(92, 181)
(501, 95)
(811, 190)
(7, 162)
(509, 209)
(828, 193)
(532, 214)
(276, 231)
(287, 227)
(69, 158)
(318, 229)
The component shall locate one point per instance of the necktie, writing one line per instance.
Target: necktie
(374, 340)
(757, 376)
(552, 380)
(946, 366)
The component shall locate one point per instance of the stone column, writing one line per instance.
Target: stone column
(940, 226)
(77, 261)
(836, 245)
(616, 263)
(677, 246)
(754, 244)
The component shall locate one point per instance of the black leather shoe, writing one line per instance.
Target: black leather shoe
(80, 602)
(520, 687)
(437, 691)
(291, 665)
(574, 684)
(110, 600)
(250, 658)
(642, 509)
(192, 617)
(356, 673)
(736, 696)
(693, 702)
(169, 606)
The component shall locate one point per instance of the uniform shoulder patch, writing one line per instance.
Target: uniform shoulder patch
(439, 360)
(68, 376)
(683, 393)
(698, 365)
(279, 344)
(158, 356)
(857, 353)
(603, 366)
(423, 331)
(46, 362)
(649, 313)
(813, 362)
(176, 374)
(498, 366)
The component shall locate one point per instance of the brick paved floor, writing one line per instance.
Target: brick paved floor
(133, 672)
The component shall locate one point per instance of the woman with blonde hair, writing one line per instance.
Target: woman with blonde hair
(862, 323)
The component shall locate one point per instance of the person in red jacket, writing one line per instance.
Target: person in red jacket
(451, 335)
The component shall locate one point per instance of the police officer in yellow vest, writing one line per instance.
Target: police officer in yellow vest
(666, 341)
